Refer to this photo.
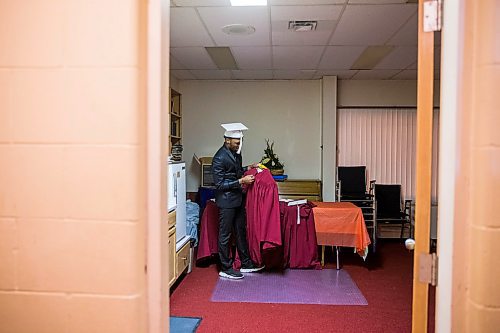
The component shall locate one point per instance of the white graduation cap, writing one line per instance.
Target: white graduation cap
(234, 130)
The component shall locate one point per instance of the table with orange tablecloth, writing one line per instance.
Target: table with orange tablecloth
(341, 224)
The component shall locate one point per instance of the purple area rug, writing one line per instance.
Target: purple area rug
(327, 286)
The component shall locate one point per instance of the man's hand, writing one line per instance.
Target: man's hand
(249, 179)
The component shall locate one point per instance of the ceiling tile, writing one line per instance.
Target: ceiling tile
(207, 74)
(305, 2)
(408, 34)
(186, 29)
(400, 58)
(407, 74)
(290, 74)
(174, 64)
(376, 2)
(375, 74)
(296, 57)
(253, 74)
(341, 74)
(305, 13)
(340, 57)
(217, 17)
(370, 24)
(412, 66)
(182, 74)
(256, 57)
(193, 57)
(202, 3)
(282, 36)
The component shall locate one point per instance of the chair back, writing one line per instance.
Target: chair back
(352, 179)
(388, 199)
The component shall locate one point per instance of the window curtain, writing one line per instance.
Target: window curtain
(384, 140)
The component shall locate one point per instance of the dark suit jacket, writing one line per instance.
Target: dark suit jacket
(227, 169)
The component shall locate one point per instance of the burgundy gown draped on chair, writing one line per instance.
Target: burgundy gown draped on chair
(263, 215)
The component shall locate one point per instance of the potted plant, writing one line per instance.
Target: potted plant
(271, 161)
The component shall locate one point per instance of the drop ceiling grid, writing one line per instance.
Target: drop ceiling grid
(212, 74)
(340, 57)
(408, 34)
(187, 28)
(174, 64)
(345, 29)
(305, 2)
(217, 17)
(305, 13)
(341, 74)
(253, 74)
(381, 21)
(296, 57)
(252, 57)
(400, 57)
(375, 74)
(193, 57)
(292, 74)
(407, 74)
(281, 36)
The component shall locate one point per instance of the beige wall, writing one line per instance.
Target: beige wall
(72, 226)
(286, 112)
(380, 93)
(476, 291)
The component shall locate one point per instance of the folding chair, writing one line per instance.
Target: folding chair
(351, 187)
(390, 207)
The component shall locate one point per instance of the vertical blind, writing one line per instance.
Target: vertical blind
(384, 140)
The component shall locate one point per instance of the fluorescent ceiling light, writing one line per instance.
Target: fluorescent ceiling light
(222, 57)
(248, 2)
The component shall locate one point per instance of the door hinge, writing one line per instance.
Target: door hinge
(433, 15)
(428, 268)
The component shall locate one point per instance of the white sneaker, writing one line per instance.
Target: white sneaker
(231, 274)
(252, 269)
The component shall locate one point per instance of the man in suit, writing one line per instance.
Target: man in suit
(228, 176)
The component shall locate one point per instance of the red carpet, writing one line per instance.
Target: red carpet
(385, 280)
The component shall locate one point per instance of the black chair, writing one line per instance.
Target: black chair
(390, 207)
(351, 183)
(351, 187)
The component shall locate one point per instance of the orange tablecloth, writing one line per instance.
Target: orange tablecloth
(341, 224)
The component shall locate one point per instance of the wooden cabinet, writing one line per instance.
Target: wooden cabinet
(172, 264)
(171, 219)
(183, 258)
(300, 189)
(175, 118)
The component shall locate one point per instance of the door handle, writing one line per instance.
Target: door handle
(410, 244)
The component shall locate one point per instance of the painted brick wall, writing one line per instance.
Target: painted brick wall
(476, 276)
(72, 177)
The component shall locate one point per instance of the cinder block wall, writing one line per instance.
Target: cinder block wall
(476, 291)
(72, 233)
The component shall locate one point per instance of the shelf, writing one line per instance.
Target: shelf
(175, 113)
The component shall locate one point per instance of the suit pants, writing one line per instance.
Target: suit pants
(233, 220)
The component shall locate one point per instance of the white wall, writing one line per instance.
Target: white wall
(174, 83)
(286, 112)
(380, 93)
